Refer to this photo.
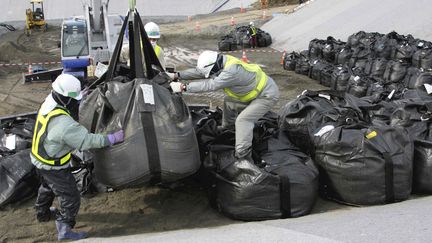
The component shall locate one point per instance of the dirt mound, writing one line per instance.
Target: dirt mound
(277, 3)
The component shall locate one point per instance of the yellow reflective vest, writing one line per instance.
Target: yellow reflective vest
(157, 50)
(39, 136)
(253, 29)
(261, 79)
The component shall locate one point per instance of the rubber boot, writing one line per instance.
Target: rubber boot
(47, 216)
(65, 232)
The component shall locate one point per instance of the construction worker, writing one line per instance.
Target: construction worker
(252, 35)
(153, 33)
(250, 93)
(56, 134)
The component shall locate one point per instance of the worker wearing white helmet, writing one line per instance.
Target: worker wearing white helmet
(252, 33)
(56, 135)
(250, 93)
(153, 34)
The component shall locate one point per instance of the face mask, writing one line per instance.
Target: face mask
(153, 43)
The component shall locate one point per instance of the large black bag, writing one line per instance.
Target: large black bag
(422, 58)
(339, 78)
(330, 48)
(326, 76)
(415, 78)
(160, 143)
(403, 52)
(343, 56)
(315, 48)
(359, 57)
(358, 85)
(354, 39)
(376, 67)
(284, 183)
(302, 65)
(290, 61)
(18, 179)
(395, 71)
(227, 43)
(365, 164)
(300, 118)
(422, 167)
(316, 67)
(384, 46)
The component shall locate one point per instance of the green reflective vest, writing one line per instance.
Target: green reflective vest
(39, 136)
(261, 79)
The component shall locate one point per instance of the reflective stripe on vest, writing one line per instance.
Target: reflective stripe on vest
(253, 31)
(157, 50)
(261, 80)
(39, 137)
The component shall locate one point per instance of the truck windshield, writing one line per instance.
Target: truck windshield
(74, 42)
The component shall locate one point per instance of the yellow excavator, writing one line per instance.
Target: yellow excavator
(35, 17)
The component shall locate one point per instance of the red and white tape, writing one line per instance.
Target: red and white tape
(252, 50)
(27, 63)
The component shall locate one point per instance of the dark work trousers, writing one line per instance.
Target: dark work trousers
(60, 184)
(253, 41)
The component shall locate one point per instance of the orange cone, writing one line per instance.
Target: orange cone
(283, 58)
(197, 26)
(244, 57)
(30, 69)
(242, 10)
(233, 21)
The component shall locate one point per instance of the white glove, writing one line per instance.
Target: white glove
(172, 76)
(177, 87)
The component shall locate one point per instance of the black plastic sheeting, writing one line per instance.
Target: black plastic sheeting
(18, 180)
(279, 180)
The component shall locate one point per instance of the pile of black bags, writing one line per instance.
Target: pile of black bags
(279, 181)
(370, 150)
(366, 61)
(239, 38)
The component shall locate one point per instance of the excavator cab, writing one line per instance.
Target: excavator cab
(35, 17)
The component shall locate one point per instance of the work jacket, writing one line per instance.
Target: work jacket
(56, 135)
(241, 81)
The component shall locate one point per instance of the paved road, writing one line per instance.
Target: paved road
(408, 221)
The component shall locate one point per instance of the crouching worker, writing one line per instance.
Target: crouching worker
(250, 93)
(56, 135)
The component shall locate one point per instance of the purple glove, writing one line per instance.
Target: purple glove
(116, 137)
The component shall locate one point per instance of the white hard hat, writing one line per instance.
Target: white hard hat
(152, 30)
(251, 23)
(206, 61)
(67, 85)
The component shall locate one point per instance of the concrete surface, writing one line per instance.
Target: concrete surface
(322, 18)
(408, 221)
(58, 9)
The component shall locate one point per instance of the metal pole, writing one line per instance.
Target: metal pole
(132, 4)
